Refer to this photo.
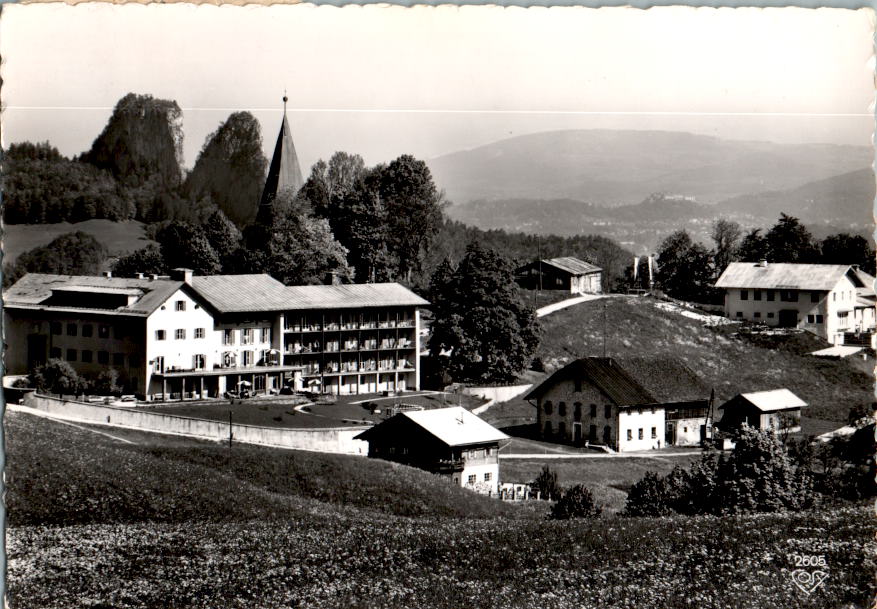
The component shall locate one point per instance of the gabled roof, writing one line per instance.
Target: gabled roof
(455, 426)
(567, 264)
(785, 276)
(770, 401)
(572, 265)
(284, 171)
(240, 293)
(632, 381)
(32, 290)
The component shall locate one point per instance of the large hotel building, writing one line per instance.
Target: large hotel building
(190, 336)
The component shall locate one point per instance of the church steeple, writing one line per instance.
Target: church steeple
(285, 171)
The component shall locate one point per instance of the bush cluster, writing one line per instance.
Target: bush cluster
(758, 476)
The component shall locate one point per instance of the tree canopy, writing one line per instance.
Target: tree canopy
(685, 268)
(480, 320)
(76, 253)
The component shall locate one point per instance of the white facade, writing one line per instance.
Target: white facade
(641, 429)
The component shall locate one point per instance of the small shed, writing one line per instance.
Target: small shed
(569, 274)
(778, 409)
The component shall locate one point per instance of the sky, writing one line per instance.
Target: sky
(383, 81)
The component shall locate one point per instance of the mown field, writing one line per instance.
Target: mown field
(731, 364)
(97, 523)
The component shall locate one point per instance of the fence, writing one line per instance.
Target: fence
(328, 440)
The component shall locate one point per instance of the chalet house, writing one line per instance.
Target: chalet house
(569, 274)
(623, 404)
(779, 409)
(186, 336)
(450, 442)
(833, 301)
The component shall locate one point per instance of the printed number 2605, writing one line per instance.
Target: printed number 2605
(801, 560)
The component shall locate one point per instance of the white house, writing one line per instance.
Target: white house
(185, 336)
(450, 442)
(829, 300)
(626, 405)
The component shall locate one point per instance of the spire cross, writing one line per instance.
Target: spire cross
(285, 99)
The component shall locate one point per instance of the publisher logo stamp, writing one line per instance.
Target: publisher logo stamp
(810, 572)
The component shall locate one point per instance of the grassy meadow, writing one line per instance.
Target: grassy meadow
(96, 522)
(118, 237)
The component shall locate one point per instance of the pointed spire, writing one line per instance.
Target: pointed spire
(284, 172)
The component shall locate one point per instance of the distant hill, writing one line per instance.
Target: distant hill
(842, 199)
(118, 237)
(623, 167)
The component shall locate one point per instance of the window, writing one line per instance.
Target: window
(561, 409)
(55, 353)
(819, 319)
(86, 356)
(757, 314)
(811, 319)
(119, 332)
(199, 332)
(684, 430)
(198, 362)
(756, 294)
(654, 432)
(834, 297)
(770, 315)
(577, 412)
(159, 335)
(180, 334)
(247, 336)
(593, 410)
(561, 429)
(71, 329)
(607, 411)
(548, 407)
(607, 435)
(103, 331)
(247, 358)
(548, 429)
(630, 434)
(158, 364)
(770, 295)
(814, 296)
(118, 359)
(640, 433)
(180, 305)
(487, 477)
(744, 294)
(87, 330)
(71, 355)
(789, 295)
(228, 336)
(739, 313)
(266, 335)
(56, 327)
(578, 384)
(103, 357)
(472, 478)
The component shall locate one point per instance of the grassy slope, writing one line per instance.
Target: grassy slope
(58, 474)
(118, 237)
(635, 327)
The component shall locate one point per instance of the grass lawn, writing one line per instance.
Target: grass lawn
(97, 523)
(538, 299)
(118, 237)
(609, 478)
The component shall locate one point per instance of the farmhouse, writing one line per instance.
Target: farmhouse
(833, 301)
(569, 274)
(630, 404)
(186, 336)
(779, 409)
(450, 442)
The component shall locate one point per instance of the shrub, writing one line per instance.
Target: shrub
(106, 383)
(577, 502)
(57, 376)
(648, 497)
(546, 485)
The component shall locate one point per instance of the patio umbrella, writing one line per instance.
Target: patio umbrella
(245, 383)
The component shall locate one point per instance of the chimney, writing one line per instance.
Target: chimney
(332, 278)
(139, 275)
(762, 263)
(182, 274)
(108, 274)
